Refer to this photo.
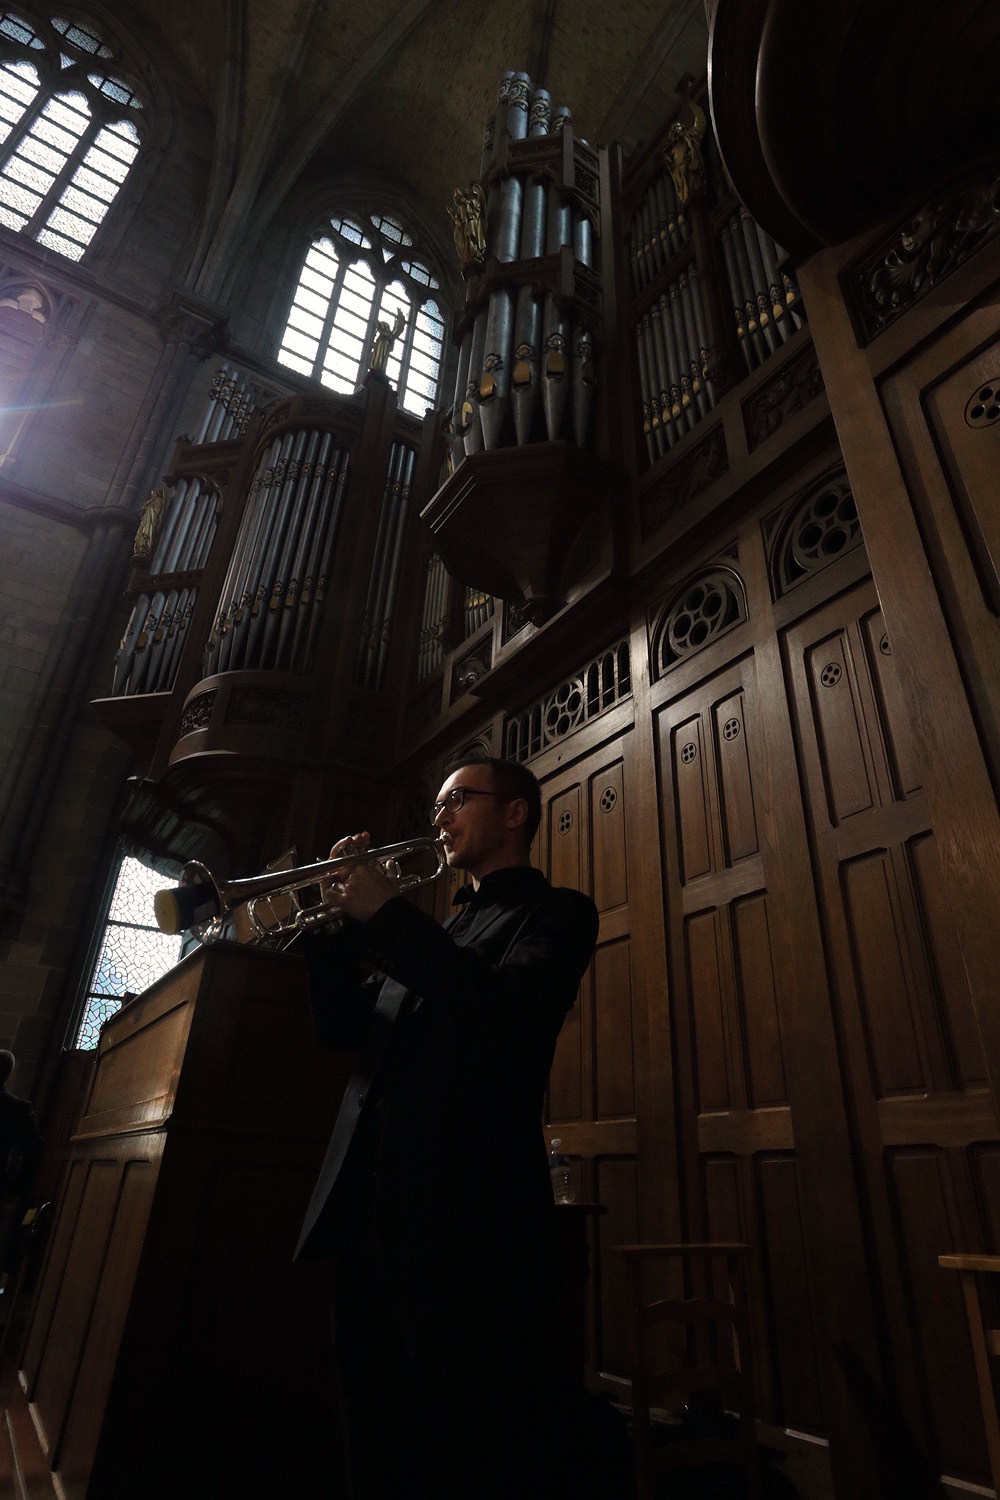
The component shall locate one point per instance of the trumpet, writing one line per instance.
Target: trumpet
(201, 903)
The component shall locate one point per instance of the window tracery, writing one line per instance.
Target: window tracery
(133, 952)
(69, 130)
(354, 277)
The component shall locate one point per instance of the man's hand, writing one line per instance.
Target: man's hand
(359, 889)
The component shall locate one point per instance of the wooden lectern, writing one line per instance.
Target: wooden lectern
(173, 1348)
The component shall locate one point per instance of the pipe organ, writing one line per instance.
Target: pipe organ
(161, 614)
(384, 581)
(276, 609)
(270, 602)
(265, 611)
(526, 365)
(711, 298)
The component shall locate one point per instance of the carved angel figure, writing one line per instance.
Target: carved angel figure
(385, 337)
(467, 216)
(683, 156)
(150, 521)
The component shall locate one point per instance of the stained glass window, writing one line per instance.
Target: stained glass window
(68, 133)
(351, 280)
(133, 953)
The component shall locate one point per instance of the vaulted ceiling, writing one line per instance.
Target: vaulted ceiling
(401, 91)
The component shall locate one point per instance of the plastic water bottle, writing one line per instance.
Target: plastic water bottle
(563, 1190)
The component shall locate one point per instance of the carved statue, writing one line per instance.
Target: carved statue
(150, 521)
(383, 341)
(468, 218)
(683, 156)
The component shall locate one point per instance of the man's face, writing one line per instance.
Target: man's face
(477, 836)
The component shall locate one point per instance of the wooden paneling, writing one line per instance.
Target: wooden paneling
(912, 1059)
(614, 1064)
(755, 982)
(170, 1328)
(789, 1297)
(572, 1067)
(728, 1043)
(616, 1187)
(593, 1086)
(921, 1186)
(93, 1242)
(106, 1303)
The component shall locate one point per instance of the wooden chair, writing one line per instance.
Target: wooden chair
(715, 1364)
(985, 1344)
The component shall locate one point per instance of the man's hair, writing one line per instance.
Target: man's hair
(513, 780)
(6, 1065)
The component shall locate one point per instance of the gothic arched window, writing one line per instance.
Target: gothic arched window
(68, 132)
(362, 273)
(133, 953)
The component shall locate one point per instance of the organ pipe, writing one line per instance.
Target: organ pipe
(528, 350)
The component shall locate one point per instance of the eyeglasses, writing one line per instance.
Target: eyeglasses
(454, 799)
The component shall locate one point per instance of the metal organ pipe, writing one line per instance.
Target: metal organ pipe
(470, 422)
(291, 516)
(653, 439)
(147, 657)
(234, 595)
(292, 603)
(326, 499)
(503, 242)
(324, 552)
(243, 628)
(528, 317)
(526, 361)
(583, 378)
(555, 325)
(385, 573)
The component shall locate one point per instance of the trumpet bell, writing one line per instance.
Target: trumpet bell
(190, 905)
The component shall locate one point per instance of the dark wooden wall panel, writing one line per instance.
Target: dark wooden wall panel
(954, 1018)
(566, 1077)
(758, 1005)
(617, 1190)
(838, 729)
(878, 946)
(911, 1048)
(564, 834)
(564, 829)
(593, 1102)
(60, 1244)
(607, 824)
(729, 1047)
(705, 959)
(724, 1209)
(91, 1239)
(986, 1170)
(921, 1186)
(901, 748)
(783, 1269)
(739, 824)
(614, 1048)
(691, 799)
(107, 1314)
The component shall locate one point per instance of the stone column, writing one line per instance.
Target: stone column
(190, 331)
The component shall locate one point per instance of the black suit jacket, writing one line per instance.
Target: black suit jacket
(438, 1140)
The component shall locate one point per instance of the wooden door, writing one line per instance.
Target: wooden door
(592, 1090)
(914, 1068)
(740, 1168)
(832, 1092)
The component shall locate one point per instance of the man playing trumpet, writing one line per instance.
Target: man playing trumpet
(434, 1197)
